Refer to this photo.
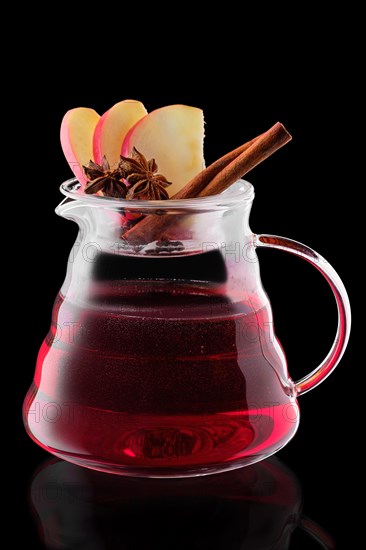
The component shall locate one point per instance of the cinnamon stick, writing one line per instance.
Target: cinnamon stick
(213, 180)
(198, 183)
(263, 147)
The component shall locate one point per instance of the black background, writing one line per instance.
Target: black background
(302, 192)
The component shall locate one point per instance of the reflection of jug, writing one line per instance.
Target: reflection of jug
(161, 359)
(257, 508)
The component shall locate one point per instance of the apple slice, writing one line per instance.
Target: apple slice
(173, 136)
(112, 128)
(77, 129)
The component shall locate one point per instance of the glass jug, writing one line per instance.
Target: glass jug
(161, 359)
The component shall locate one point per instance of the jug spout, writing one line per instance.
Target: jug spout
(96, 224)
(71, 210)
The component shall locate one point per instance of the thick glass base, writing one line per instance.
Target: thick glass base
(162, 473)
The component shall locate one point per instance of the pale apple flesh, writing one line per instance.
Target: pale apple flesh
(77, 130)
(112, 128)
(173, 136)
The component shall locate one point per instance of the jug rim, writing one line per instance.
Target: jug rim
(240, 192)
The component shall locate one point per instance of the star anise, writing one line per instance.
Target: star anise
(102, 178)
(142, 175)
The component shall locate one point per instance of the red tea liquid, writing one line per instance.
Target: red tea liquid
(150, 379)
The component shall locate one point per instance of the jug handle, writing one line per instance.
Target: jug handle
(344, 310)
